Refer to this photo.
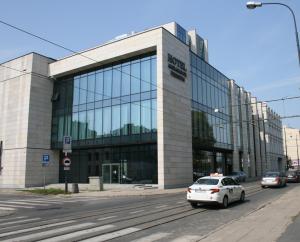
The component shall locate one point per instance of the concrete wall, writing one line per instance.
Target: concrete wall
(292, 144)
(174, 123)
(25, 120)
(14, 106)
(235, 124)
(39, 126)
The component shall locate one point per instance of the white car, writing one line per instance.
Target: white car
(215, 188)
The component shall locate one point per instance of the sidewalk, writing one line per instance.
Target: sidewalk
(266, 223)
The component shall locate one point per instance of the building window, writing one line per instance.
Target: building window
(181, 33)
(115, 100)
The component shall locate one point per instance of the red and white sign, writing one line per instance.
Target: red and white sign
(66, 161)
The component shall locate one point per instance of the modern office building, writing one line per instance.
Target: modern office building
(143, 108)
(291, 142)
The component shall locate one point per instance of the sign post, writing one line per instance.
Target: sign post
(67, 164)
(45, 163)
(67, 148)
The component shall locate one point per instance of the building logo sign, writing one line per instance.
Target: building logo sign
(177, 67)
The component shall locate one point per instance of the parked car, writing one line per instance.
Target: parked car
(239, 176)
(293, 176)
(273, 179)
(215, 189)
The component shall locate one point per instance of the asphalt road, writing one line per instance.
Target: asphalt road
(137, 218)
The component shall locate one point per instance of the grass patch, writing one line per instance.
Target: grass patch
(49, 191)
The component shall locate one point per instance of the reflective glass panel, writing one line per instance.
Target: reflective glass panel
(83, 90)
(98, 123)
(125, 119)
(145, 75)
(135, 117)
(146, 116)
(135, 77)
(116, 120)
(82, 125)
(107, 121)
(107, 84)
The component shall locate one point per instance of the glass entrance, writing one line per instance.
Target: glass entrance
(111, 173)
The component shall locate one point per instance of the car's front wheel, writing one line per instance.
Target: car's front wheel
(194, 204)
(225, 202)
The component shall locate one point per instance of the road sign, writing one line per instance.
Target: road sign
(66, 161)
(45, 159)
(67, 144)
(66, 168)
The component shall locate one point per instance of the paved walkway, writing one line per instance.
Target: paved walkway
(266, 223)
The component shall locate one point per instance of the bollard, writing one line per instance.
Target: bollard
(75, 188)
(101, 183)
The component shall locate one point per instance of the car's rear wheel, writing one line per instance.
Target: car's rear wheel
(225, 202)
(242, 197)
(194, 204)
(262, 186)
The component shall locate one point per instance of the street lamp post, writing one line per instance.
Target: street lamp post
(253, 5)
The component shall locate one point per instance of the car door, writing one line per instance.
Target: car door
(237, 190)
(230, 188)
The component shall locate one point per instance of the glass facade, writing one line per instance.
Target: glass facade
(211, 117)
(112, 106)
(181, 33)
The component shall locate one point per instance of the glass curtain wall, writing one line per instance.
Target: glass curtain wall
(210, 106)
(112, 106)
(211, 118)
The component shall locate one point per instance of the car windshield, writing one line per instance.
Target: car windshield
(207, 181)
(234, 173)
(271, 174)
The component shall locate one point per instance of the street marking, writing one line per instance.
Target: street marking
(20, 221)
(36, 201)
(78, 233)
(180, 202)
(100, 219)
(49, 232)
(151, 238)
(7, 208)
(139, 211)
(23, 203)
(162, 206)
(15, 206)
(5, 219)
(112, 235)
(35, 228)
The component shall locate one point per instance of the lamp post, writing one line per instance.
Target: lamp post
(253, 5)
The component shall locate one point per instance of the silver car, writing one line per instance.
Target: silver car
(273, 179)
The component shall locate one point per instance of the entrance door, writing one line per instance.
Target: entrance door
(111, 173)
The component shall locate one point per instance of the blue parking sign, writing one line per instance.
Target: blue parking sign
(45, 159)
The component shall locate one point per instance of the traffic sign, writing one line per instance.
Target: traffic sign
(45, 159)
(67, 144)
(66, 168)
(66, 161)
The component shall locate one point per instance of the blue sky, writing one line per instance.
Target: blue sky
(256, 48)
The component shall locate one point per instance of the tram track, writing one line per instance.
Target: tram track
(166, 215)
